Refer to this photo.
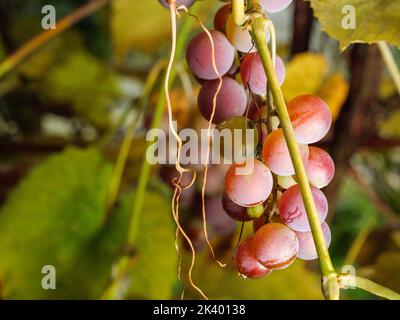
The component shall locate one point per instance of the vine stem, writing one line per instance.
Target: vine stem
(33, 45)
(330, 283)
(390, 63)
(369, 286)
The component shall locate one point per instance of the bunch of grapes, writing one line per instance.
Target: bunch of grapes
(268, 195)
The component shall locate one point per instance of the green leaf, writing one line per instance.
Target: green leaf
(295, 282)
(53, 218)
(376, 20)
(85, 83)
(155, 272)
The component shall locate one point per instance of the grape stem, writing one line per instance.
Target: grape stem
(258, 25)
(369, 286)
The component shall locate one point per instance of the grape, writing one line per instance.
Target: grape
(240, 39)
(275, 246)
(274, 5)
(257, 110)
(199, 55)
(235, 211)
(236, 128)
(221, 17)
(247, 265)
(258, 223)
(186, 3)
(215, 179)
(216, 217)
(276, 154)
(311, 118)
(286, 182)
(320, 167)
(307, 250)
(253, 74)
(249, 183)
(292, 211)
(231, 100)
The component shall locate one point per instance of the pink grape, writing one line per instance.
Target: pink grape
(221, 17)
(247, 265)
(307, 250)
(311, 118)
(275, 246)
(276, 154)
(216, 217)
(249, 183)
(274, 5)
(240, 39)
(293, 212)
(231, 100)
(199, 55)
(235, 211)
(253, 74)
(320, 168)
(186, 3)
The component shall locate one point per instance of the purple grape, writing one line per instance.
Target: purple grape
(253, 74)
(307, 250)
(231, 100)
(274, 5)
(235, 211)
(199, 55)
(186, 3)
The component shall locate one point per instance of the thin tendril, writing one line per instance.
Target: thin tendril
(209, 135)
(177, 182)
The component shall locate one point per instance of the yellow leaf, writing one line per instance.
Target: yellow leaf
(304, 74)
(139, 25)
(334, 91)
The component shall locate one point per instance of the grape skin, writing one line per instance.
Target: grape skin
(253, 74)
(311, 118)
(320, 168)
(221, 17)
(232, 209)
(216, 217)
(199, 55)
(276, 154)
(247, 265)
(240, 39)
(248, 189)
(237, 148)
(293, 212)
(231, 100)
(275, 246)
(274, 5)
(307, 249)
(186, 3)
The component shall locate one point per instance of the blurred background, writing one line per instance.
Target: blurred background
(75, 188)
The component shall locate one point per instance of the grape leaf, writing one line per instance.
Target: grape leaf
(85, 83)
(334, 92)
(52, 218)
(295, 282)
(139, 25)
(155, 272)
(304, 74)
(375, 20)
